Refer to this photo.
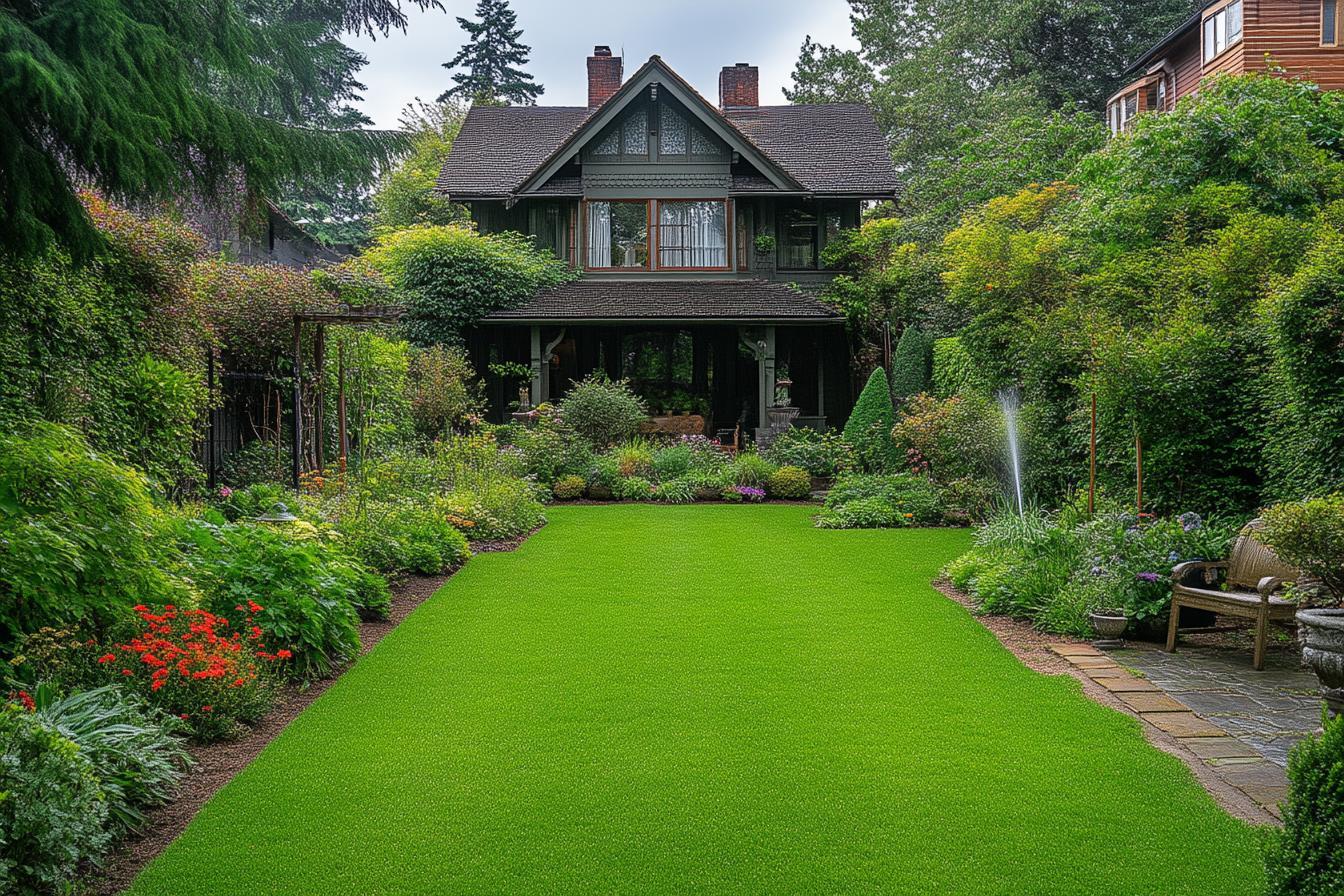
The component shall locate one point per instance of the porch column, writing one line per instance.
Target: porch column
(536, 366)
(766, 366)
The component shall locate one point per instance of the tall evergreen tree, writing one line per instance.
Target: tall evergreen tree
(151, 101)
(490, 59)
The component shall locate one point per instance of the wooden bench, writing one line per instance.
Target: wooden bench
(1251, 576)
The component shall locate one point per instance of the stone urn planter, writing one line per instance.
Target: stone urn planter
(1321, 633)
(1108, 626)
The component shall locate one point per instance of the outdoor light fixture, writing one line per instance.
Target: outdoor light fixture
(278, 513)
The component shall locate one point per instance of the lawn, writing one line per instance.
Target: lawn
(706, 699)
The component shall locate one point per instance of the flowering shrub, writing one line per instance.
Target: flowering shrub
(195, 665)
(739, 493)
(568, 488)
(822, 455)
(882, 500)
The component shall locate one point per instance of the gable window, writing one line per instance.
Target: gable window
(1222, 30)
(693, 234)
(617, 235)
(1160, 94)
(1329, 23)
(628, 137)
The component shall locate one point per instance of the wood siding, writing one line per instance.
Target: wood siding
(1289, 31)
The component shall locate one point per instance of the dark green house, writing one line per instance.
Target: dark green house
(698, 229)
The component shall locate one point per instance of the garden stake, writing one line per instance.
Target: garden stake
(1092, 456)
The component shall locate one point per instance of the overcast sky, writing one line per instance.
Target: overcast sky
(695, 37)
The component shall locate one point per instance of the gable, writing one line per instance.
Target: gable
(651, 88)
(655, 130)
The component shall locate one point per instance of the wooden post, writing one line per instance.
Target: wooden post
(536, 365)
(1092, 475)
(297, 448)
(341, 445)
(210, 418)
(320, 362)
(1138, 468)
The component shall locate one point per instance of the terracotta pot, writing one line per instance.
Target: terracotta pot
(1321, 633)
(1108, 628)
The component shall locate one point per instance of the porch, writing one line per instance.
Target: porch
(685, 346)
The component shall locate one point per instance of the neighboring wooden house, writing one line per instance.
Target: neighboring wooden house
(1300, 37)
(659, 197)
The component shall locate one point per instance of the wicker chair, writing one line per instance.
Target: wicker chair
(1251, 576)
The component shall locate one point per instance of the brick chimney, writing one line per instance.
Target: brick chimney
(604, 76)
(739, 86)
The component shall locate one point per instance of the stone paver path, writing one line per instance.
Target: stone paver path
(1269, 711)
(1235, 724)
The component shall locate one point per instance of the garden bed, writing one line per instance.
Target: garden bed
(215, 765)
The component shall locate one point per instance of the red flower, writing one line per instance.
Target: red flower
(284, 654)
(254, 606)
(207, 708)
(107, 658)
(27, 700)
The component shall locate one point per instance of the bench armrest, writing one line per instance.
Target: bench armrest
(1181, 570)
(1268, 585)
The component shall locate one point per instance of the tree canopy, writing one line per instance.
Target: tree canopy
(145, 102)
(491, 58)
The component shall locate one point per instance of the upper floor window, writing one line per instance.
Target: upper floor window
(797, 242)
(1122, 111)
(1222, 29)
(1329, 23)
(693, 234)
(1160, 94)
(617, 235)
(628, 137)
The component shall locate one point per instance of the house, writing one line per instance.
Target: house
(1298, 37)
(698, 230)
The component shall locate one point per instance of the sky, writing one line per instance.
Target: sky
(695, 37)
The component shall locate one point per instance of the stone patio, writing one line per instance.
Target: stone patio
(1269, 711)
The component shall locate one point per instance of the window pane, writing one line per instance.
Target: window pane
(692, 235)
(618, 235)
(1328, 22)
(1210, 49)
(1234, 22)
(797, 239)
(671, 132)
(637, 133)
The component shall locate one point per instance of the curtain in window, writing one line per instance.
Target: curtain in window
(599, 234)
(692, 235)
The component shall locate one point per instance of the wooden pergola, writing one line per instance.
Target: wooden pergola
(353, 317)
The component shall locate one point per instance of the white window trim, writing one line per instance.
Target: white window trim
(1219, 20)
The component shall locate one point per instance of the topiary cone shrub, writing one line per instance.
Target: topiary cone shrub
(1306, 858)
(870, 424)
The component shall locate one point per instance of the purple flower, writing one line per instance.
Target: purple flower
(225, 491)
(750, 492)
(1149, 577)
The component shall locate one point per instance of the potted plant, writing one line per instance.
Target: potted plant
(1109, 626)
(1309, 535)
(765, 244)
(782, 386)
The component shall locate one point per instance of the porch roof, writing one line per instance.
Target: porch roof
(610, 301)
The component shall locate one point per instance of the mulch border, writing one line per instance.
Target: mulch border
(215, 765)
(1045, 654)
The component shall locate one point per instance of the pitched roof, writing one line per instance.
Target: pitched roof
(499, 146)
(834, 148)
(604, 300)
(1157, 49)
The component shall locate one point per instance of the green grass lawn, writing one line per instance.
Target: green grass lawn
(706, 699)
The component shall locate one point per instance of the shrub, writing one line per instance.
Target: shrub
(442, 389)
(452, 276)
(821, 455)
(134, 751)
(603, 411)
(1306, 857)
(789, 482)
(310, 594)
(400, 537)
(672, 461)
(569, 488)
(194, 665)
(53, 815)
(1310, 536)
(911, 363)
(739, 493)
(256, 462)
(80, 536)
(634, 459)
(954, 371)
(862, 513)
(632, 488)
(750, 468)
(675, 491)
(912, 498)
(869, 428)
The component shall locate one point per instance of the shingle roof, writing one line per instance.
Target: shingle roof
(605, 300)
(833, 149)
(499, 146)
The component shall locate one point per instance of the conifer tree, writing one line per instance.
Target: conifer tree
(490, 59)
(146, 102)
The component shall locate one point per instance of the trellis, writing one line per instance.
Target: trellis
(353, 317)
